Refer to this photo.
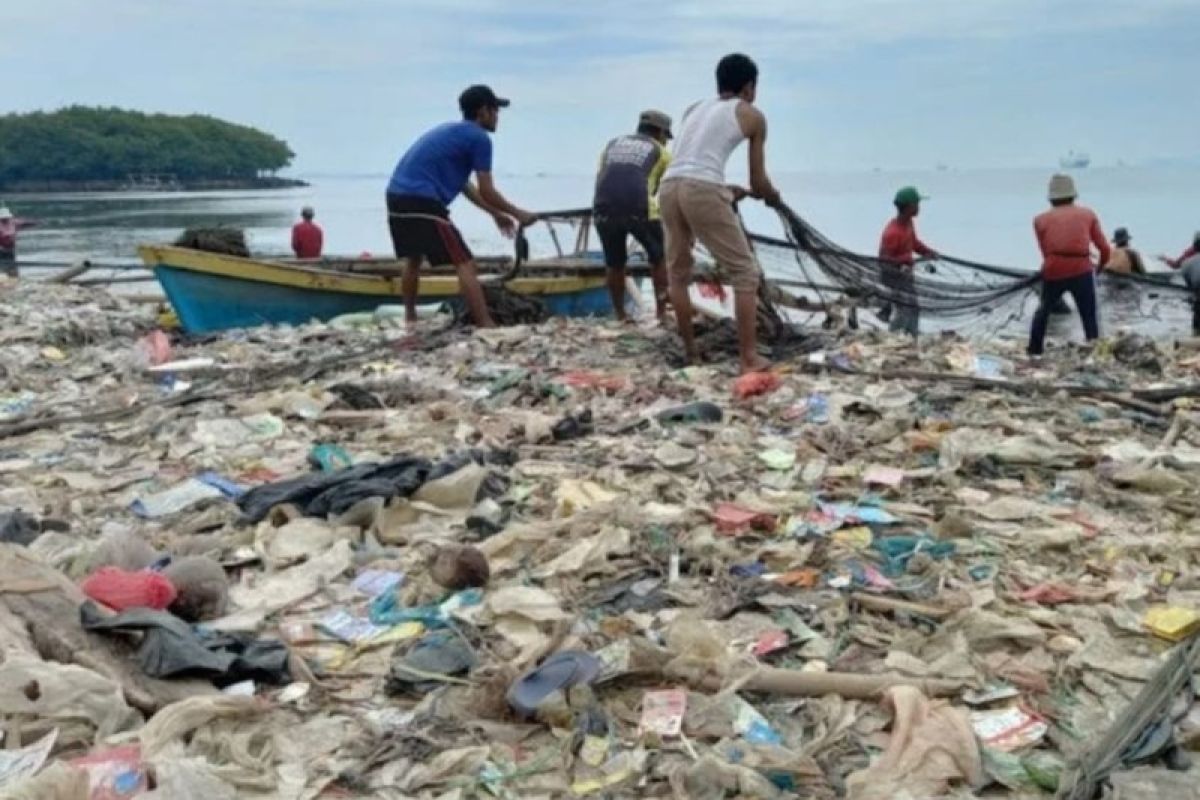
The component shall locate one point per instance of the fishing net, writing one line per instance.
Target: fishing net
(506, 307)
(968, 295)
(955, 289)
(941, 287)
(568, 235)
(223, 240)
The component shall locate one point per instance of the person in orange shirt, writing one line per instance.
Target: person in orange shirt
(307, 236)
(1189, 264)
(898, 247)
(1176, 263)
(1066, 234)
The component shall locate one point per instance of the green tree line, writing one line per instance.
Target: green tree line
(89, 144)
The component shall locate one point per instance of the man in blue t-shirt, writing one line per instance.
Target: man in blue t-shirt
(434, 171)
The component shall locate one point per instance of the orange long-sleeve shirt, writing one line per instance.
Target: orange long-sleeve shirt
(1066, 235)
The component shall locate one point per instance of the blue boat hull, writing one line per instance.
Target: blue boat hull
(206, 302)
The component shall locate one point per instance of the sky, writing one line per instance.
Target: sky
(845, 84)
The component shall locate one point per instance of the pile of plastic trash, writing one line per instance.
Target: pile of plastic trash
(546, 561)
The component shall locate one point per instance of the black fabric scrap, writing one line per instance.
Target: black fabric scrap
(319, 494)
(172, 648)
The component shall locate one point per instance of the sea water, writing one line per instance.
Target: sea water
(981, 215)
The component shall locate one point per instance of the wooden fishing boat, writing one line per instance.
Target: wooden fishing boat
(211, 292)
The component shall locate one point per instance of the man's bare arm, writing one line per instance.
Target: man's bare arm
(754, 124)
(491, 196)
(503, 221)
(471, 192)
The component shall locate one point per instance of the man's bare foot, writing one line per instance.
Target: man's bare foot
(759, 364)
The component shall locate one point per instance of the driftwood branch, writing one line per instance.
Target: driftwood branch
(1138, 400)
(1085, 777)
(69, 274)
(794, 683)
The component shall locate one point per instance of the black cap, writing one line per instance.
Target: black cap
(479, 96)
(1121, 235)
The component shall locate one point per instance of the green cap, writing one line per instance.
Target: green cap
(909, 196)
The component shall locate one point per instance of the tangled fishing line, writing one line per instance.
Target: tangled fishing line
(943, 287)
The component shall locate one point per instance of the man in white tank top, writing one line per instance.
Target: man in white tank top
(697, 204)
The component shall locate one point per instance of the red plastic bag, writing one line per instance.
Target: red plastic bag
(733, 519)
(756, 383)
(584, 379)
(153, 349)
(120, 590)
(712, 290)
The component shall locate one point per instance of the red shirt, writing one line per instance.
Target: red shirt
(1065, 235)
(1178, 262)
(307, 239)
(899, 242)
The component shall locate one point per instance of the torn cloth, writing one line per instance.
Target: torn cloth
(932, 746)
(170, 647)
(319, 494)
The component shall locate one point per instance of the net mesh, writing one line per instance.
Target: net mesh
(803, 262)
(975, 298)
(941, 287)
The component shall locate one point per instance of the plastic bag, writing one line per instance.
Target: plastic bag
(170, 647)
(18, 527)
(120, 590)
(753, 384)
(152, 349)
(114, 774)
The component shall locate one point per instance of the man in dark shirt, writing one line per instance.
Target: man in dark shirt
(434, 171)
(307, 236)
(626, 205)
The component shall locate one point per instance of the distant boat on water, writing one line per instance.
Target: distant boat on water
(1073, 160)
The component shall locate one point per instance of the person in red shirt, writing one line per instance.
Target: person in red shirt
(9, 227)
(898, 248)
(1189, 263)
(1066, 234)
(1176, 263)
(307, 236)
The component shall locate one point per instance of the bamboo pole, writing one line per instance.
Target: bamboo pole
(69, 274)
(794, 683)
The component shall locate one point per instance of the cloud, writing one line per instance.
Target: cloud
(854, 82)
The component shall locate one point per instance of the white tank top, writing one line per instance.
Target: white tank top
(707, 136)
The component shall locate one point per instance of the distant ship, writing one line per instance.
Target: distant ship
(1073, 160)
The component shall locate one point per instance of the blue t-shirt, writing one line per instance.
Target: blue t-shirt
(439, 164)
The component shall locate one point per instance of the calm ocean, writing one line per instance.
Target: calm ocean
(982, 215)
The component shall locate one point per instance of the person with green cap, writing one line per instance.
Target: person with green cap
(898, 248)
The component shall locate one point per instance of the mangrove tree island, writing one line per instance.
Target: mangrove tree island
(97, 148)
